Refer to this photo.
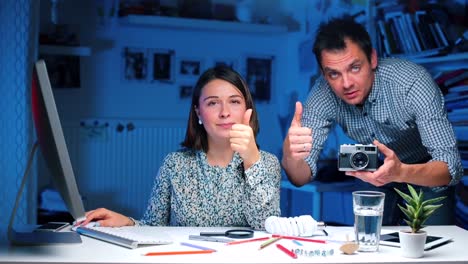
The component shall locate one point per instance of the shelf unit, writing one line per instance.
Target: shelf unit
(65, 50)
(201, 24)
(447, 62)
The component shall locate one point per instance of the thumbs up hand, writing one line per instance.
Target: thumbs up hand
(298, 141)
(242, 140)
(296, 121)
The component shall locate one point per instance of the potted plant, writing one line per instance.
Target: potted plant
(417, 211)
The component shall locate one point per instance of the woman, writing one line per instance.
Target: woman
(220, 177)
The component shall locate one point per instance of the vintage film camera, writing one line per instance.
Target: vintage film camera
(358, 157)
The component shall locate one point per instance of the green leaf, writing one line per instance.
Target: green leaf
(403, 195)
(433, 200)
(418, 212)
(431, 210)
(406, 212)
(408, 222)
(413, 192)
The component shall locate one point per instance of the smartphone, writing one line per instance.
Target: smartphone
(52, 226)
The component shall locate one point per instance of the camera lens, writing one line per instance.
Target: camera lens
(359, 160)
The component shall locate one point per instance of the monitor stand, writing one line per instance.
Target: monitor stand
(31, 237)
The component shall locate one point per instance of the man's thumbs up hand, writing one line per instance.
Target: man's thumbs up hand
(296, 121)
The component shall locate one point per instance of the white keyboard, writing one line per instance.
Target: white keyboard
(127, 236)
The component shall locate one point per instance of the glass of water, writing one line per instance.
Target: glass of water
(368, 209)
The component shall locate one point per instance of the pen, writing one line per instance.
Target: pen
(245, 241)
(285, 250)
(196, 246)
(269, 242)
(178, 252)
(302, 239)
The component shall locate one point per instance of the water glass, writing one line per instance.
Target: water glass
(368, 209)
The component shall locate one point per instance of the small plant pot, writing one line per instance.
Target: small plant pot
(412, 244)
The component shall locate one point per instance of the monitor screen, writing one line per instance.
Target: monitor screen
(52, 141)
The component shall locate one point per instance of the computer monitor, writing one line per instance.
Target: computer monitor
(51, 142)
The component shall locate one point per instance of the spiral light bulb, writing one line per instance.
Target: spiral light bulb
(303, 225)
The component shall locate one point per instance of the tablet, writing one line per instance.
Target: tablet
(392, 239)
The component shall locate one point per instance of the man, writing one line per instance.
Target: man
(393, 104)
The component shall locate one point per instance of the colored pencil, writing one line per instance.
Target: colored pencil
(196, 246)
(269, 242)
(302, 239)
(246, 241)
(178, 252)
(296, 242)
(285, 250)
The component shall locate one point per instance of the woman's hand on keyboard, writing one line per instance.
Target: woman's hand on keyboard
(107, 217)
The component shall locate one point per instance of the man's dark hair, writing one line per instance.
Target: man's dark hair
(332, 35)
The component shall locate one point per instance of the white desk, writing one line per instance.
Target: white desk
(95, 251)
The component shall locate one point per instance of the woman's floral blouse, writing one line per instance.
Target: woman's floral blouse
(190, 192)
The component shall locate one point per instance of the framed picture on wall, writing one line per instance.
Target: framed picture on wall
(135, 64)
(185, 91)
(258, 76)
(162, 65)
(190, 67)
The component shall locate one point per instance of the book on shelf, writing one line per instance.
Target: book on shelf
(403, 33)
(455, 98)
(394, 38)
(456, 93)
(392, 19)
(414, 31)
(444, 77)
(423, 54)
(385, 39)
(456, 104)
(457, 79)
(411, 32)
(461, 89)
(423, 22)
